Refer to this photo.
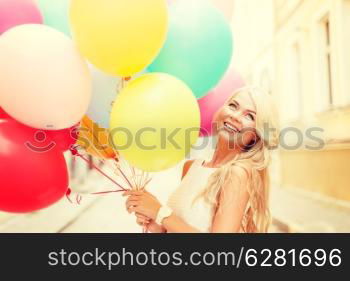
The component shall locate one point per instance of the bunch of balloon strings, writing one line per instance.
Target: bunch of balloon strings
(132, 179)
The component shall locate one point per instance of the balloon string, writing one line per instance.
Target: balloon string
(76, 153)
(124, 176)
(100, 154)
(106, 192)
(69, 191)
(78, 197)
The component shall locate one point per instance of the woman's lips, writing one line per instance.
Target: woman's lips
(230, 128)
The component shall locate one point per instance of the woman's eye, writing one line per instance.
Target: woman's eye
(233, 105)
(250, 116)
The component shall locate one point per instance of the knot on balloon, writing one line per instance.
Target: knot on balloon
(74, 151)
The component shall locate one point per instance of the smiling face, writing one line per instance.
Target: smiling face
(236, 121)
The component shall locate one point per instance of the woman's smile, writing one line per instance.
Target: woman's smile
(229, 127)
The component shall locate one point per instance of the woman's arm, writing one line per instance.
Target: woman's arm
(232, 203)
(233, 200)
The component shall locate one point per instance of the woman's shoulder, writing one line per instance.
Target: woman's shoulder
(237, 176)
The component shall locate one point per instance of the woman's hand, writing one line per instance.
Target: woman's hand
(143, 203)
(150, 225)
(142, 220)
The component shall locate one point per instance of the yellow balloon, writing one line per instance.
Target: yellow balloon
(120, 37)
(154, 121)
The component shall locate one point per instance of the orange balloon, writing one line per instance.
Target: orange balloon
(95, 140)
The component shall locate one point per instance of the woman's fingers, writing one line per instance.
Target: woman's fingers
(134, 193)
(142, 221)
(138, 215)
(133, 198)
(130, 204)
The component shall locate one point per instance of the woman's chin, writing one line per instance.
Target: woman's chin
(226, 136)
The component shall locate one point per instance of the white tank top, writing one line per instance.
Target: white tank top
(197, 213)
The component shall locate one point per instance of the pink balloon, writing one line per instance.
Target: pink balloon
(16, 12)
(226, 6)
(216, 98)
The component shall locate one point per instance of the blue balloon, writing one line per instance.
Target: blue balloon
(55, 13)
(105, 89)
(104, 92)
(199, 45)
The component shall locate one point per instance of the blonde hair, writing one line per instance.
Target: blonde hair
(254, 161)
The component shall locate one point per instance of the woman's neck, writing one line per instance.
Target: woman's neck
(223, 154)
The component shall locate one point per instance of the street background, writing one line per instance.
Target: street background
(298, 51)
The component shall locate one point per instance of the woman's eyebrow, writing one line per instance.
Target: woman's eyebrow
(236, 102)
(252, 111)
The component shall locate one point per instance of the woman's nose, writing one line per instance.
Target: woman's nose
(236, 116)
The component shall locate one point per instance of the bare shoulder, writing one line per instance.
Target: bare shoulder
(240, 172)
(186, 167)
(238, 177)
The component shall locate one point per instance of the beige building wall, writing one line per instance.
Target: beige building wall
(299, 50)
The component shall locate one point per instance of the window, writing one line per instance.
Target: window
(292, 85)
(265, 81)
(296, 80)
(325, 71)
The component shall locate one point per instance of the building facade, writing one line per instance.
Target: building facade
(299, 51)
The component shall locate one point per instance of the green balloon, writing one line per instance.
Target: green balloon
(199, 45)
(55, 13)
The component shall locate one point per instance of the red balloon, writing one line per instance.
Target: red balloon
(65, 138)
(3, 114)
(33, 171)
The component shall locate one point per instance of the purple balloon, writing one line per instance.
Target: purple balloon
(216, 98)
(17, 12)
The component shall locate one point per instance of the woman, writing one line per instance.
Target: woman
(230, 192)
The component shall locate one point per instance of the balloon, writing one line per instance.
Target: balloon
(64, 139)
(225, 6)
(216, 98)
(33, 174)
(95, 140)
(55, 13)
(104, 91)
(17, 12)
(198, 49)
(117, 36)
(44, 81)
(3, 114)
(154, 121)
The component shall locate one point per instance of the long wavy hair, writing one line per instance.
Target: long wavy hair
(254, 159)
